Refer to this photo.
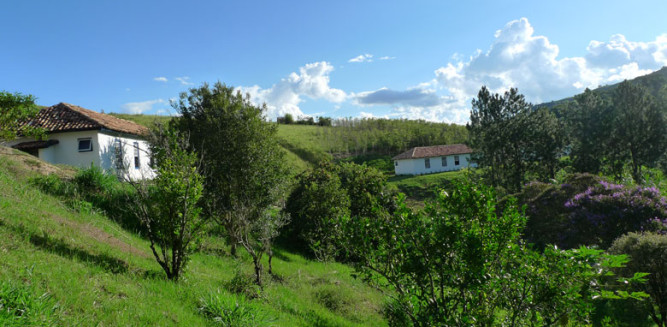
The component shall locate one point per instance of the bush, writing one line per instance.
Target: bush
(334, 298)
(232, 311)
(648, 253)
(243, 284)
(606, 211)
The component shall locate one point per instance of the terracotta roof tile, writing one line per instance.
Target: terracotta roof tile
(434, 151)
(65, 117)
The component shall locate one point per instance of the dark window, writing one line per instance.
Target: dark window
(119, 155)
(85, 145)
(396, 163)
(444, 161)
(427, 163)
(456, 160)
(137, 163)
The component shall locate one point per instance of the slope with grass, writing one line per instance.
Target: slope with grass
(73, 266)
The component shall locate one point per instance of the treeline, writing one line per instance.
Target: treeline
(619, 136)
(357, 136)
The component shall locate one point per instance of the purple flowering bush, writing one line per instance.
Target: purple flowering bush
(605, 211)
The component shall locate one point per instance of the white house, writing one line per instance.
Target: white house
(81, 137)
(433, 159)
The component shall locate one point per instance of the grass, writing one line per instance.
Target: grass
(422, 187)
(80, 268)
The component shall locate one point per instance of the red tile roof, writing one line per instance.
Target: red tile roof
(434, 151)
(65, 117)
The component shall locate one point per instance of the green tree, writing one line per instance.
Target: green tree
(242, 161)
(15, 110)
(545, 138)
(638, 128)
(460, 262)
(168, 205)
(316, 206)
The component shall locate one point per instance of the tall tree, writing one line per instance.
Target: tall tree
(639, 127)
(497, 134)
(15, 110)
(245, 173)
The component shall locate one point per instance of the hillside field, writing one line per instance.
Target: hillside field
(64, 265)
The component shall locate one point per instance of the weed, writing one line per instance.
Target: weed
(244, 285)
(19, 306)
(334, 298)
(232, 311)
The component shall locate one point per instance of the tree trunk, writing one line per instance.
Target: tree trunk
(258, 271)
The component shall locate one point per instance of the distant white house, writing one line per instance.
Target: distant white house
(433, 159)
(81, 137)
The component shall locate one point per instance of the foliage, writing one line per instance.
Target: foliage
(244, 285)
(94, 189)
(20, 306)
(242, 162)
(316, 205)
(459, 262)
(639, 130)
(648, 253)
(15, 110)
(511, 140)
(232, 311)
(168, 205)
(606, 211)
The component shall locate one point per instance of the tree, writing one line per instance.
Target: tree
(168, 205)
(648, 253)
(460, 262)
(15, 110)
(498, 136)
(545, 138)
(638, 128)
(243, 163)
(316, 206)
(588, 121)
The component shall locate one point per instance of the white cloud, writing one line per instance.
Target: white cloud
(184, 80)
(519, 58)
(160, 79)
(362, 58)
(387, 58)
(312, 81)
(140, 107)
(414, 97)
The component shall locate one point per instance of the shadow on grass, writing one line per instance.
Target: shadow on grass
(106, 262)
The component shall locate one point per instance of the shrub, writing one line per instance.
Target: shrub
(232, 311)
(334, 298)
(244, 285)
(648, 253)
(606, 211)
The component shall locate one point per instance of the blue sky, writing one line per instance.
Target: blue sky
(417, 59)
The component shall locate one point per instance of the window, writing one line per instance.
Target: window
(456, 160)
(396, 163)
(137, 164)
(85, 145)
(444, 161)
(119, 155)
(427, 163)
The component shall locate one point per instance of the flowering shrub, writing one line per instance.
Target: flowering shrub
(606, 211)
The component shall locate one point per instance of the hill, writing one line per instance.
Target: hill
(71, 265)
(655, 83)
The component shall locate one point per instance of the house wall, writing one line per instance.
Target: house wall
(417, 166)
(103, 153)
(108, 141)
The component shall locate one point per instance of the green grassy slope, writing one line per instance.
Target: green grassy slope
(95, 273)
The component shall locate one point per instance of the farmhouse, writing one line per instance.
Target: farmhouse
(81, 137)
(433, 159)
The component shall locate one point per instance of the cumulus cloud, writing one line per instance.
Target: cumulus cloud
(520, 58)
(184, 80)
(311, 81)
(362, 58)
(140, 107)
(161, 79)
(414, 97)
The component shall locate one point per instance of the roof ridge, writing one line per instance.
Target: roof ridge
(83, 114)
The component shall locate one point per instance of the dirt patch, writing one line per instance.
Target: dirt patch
(31, 164)
(100, 236)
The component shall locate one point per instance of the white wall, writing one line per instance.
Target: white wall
(103, 153)
(108, 141)
(417, 166)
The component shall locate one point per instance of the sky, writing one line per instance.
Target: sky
(391, 59)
